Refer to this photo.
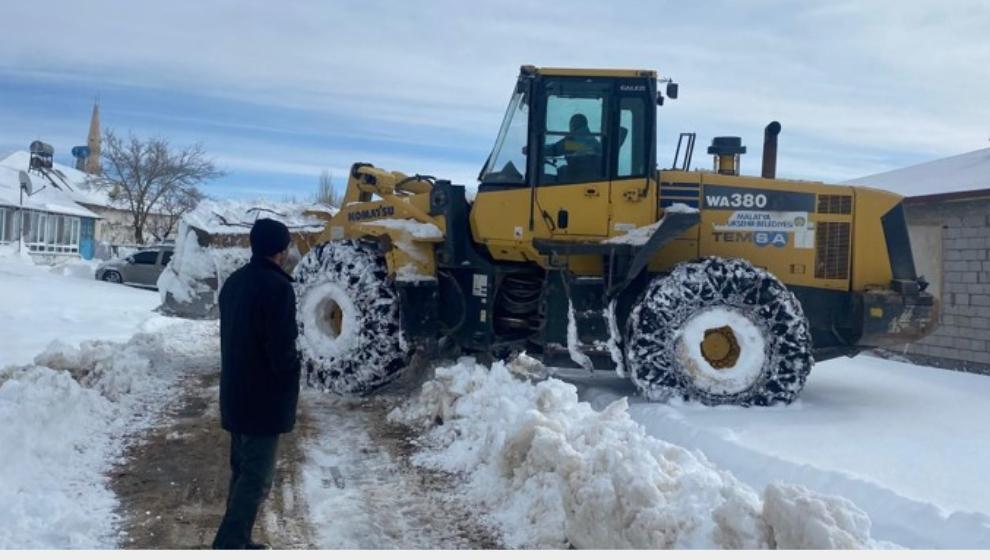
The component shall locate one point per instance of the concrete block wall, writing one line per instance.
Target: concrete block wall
(962, 339)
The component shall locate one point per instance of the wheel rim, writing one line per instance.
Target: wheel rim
(329, 317)
(720, 347)
(722, 350)
(113, 277)
(334, 317)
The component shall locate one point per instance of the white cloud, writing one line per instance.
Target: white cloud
(846, 78)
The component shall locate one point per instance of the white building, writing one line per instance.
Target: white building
(51, 223)
(948, 211)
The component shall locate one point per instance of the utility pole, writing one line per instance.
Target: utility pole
(25, 181)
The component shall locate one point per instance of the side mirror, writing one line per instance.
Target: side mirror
(129, 259)
(672, 90)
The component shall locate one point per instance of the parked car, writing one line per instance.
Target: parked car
(139, 269)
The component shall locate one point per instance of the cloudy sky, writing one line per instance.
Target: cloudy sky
(278, 91)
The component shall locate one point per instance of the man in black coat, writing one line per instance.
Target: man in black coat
(259, 377)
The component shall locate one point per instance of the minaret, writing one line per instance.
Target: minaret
(93, 141)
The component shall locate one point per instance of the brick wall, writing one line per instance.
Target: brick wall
(962, 339)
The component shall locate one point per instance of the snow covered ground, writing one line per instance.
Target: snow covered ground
(875, 452)
(905, 443)
(39, 304)
(65, 419)
(551, 472)
(71, 397)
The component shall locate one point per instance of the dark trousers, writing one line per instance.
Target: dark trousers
(252, 469)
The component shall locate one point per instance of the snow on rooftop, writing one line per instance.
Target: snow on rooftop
(237, 216)
(961, 173)
(61, 194)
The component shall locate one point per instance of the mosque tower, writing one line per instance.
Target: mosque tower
(93, 142)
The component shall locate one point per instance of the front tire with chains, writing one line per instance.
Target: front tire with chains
(350, 340)
(698, 298)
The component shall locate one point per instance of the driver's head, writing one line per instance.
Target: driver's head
(579, 122)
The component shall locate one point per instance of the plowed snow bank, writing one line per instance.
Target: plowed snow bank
(65, 419)
(553, 472)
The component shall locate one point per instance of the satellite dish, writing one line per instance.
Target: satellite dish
(25, 180)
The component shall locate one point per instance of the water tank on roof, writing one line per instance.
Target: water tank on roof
(42, 155)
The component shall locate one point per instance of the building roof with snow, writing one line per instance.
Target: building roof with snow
(237, 216)
(61, 193)
(964, 176)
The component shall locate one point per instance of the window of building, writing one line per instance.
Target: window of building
(6, 225)
(51, 233)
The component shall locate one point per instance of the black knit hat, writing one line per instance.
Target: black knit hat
(269, 237)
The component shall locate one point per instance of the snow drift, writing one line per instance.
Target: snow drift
(212, 242)
(67, 417)
(553, 472)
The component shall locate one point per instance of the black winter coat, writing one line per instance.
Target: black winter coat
(259, 376)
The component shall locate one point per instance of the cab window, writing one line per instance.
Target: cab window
(633, 137)
(572, 132)
(507, 163)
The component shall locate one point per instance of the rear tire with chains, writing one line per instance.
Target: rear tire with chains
(698, 299)
(350, 340)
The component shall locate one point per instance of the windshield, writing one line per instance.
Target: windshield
(507, 162)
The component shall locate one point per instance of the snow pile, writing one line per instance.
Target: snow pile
(574, 342)
(553, 472)
(213, 242)
(802, 519)
(52, 433)
(637, 237)
(680, 208)
(413, 238)
(897, 439)
(78, 268)
(641, 235)
(614, 340)
(66, 418)
(416, 230)
(115, 370)
(195, 272)
(11, 252)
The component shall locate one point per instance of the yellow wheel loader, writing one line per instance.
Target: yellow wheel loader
(705, 284)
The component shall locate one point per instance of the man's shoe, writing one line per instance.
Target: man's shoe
(258, 546)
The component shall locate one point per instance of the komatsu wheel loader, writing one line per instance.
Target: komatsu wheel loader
(711, 285)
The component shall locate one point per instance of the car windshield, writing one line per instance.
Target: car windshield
(507, 162)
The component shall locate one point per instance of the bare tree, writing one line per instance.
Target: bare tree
(151, 177)
(326, 192)
(170, 209)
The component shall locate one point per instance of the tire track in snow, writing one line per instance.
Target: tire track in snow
(362, 490)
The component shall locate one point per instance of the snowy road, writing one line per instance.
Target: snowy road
(118, 436)
(343, 481)
(362, 489)
(906, 443)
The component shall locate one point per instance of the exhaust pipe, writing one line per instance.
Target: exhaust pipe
(770, 134)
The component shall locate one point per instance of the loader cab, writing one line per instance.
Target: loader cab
(575, 157)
